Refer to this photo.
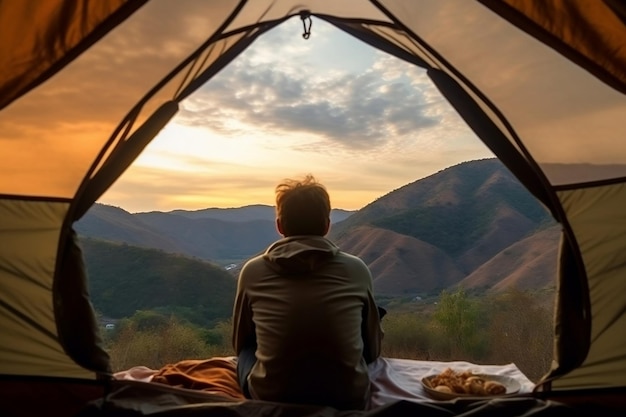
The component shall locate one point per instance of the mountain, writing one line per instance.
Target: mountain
(458, 226)
(249, 213)
(212, 239)
(401, 264)
(221, 235)
(238, 214)
(530, 263)
(124, 279)
(115, 224)
(470, 213)
(452, 208)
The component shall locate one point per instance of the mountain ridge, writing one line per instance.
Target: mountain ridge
(205, 234)
(426, 236)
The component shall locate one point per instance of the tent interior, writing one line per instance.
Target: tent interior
(542, 84)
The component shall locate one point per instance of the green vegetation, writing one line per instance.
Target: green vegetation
(452, 209)
(496, 329)
(153, 340)
(513, 327)
(124, 279)
(453, 229)
(458, 318)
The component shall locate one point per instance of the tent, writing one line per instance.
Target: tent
(541, 82)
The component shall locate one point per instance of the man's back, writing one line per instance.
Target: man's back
(310, 310)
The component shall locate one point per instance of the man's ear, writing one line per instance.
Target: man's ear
(279, 227)
(327, 226)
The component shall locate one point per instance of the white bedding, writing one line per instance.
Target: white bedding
(392, 379)
(400, 379)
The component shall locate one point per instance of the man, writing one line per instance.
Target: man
(305, 321)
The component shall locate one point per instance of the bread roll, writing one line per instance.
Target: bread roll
(494, 388)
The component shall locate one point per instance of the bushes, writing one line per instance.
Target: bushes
(151, 340)
(407, 335)
(499, 329)
(521, 332)
(495, 329)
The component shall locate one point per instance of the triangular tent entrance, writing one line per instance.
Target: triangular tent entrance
(541, 83)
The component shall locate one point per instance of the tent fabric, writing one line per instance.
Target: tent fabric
(589, 33)
(30, 233)
(603, 250)
(76, 322)
(58, 32)
(536, 80)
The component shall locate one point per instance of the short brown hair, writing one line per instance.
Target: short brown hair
(303, 207)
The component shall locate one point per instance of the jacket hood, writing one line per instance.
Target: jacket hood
(299, 254)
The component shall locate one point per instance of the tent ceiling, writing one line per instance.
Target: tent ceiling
(54, 133)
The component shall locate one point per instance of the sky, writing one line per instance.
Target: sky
(361, 121)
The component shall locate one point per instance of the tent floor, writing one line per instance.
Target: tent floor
(63, 398)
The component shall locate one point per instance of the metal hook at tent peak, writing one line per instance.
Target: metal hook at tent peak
(306, 16)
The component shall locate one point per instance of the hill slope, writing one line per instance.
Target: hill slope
(220, 235)
(116, 224)
(401, 264)
(530, 263)
(420, 238)
(124, 279)
(469, 212)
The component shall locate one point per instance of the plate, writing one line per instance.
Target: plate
(512, 387)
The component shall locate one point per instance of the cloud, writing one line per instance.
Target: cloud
(362, 110)
(361, 120)
(362, 130)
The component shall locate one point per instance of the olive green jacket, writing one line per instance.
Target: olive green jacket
(310, 310)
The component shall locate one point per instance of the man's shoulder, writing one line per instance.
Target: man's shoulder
(351, 260)
(254, 262)
(251, 270)
(348, 256)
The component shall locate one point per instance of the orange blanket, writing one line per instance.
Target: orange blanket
(216, 375)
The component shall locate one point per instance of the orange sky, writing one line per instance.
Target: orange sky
(350, 122)
(362, 122)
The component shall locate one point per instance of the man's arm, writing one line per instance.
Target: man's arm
(371, 330)
(243, 326)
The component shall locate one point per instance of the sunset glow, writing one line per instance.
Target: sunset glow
(364, 126)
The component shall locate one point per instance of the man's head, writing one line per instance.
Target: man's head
(302, 207)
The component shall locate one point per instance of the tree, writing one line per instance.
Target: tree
(459, 319)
